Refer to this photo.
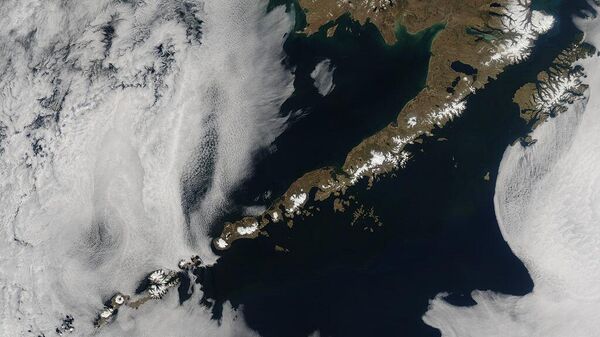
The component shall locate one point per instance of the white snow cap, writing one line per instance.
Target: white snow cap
(297, 201)
(522, 26)
(249, 229)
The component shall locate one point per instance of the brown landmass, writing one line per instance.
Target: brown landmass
(555, 88)
(470, 27)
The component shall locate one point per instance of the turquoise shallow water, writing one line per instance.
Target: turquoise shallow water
(440, 232)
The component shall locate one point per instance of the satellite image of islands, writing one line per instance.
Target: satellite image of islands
(299, 168)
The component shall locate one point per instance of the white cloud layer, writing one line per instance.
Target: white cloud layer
(174, 320)
(323, 77)
(548, 207)
(107, 109)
